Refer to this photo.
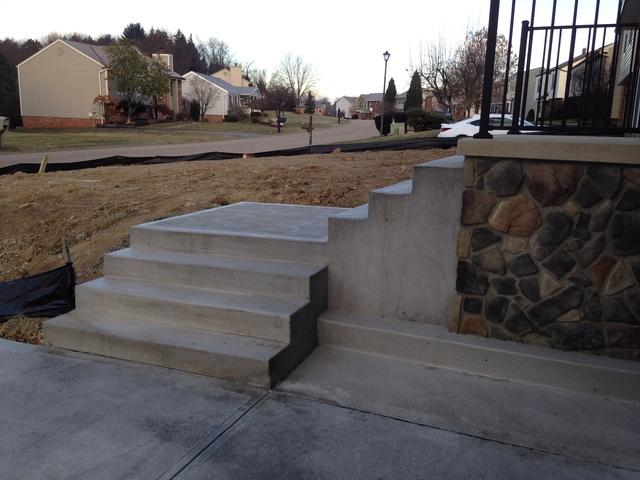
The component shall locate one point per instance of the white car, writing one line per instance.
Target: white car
(470, 126)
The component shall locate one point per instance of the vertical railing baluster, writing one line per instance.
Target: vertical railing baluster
(572, 47)
(544, 52)
(525, 92)
(551, 31)
(515, 120)
(508, 66)
(489, 65)
(633, 81)
(556, 78)
(614, 67)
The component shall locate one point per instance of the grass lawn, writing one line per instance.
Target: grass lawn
(68, 138)
(292, 125)
(30, 140)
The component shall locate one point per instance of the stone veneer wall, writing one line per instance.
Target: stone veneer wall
(549, 254)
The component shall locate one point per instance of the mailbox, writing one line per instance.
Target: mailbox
(4, 126)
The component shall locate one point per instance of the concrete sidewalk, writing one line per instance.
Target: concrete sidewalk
(67, 415)
(353, 130)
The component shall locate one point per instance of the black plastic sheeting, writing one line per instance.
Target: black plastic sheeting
(113, 161)
(401, 144)
(46, 294)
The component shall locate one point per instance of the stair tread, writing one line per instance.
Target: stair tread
(254, 220)
(249, 302)
(354, 213)
(402, 188)
(194, 339)
(257, 265)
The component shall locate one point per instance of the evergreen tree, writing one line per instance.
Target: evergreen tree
(134, 33)
(310, 103)
(390, 97)
(9, 100)
(414, 95)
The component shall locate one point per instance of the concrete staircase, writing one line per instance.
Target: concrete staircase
(232, 292)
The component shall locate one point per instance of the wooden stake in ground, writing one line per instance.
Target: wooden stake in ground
(65, 251)
(43, 164)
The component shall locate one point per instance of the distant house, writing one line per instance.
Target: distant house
(346, 105)
(59, 83)
(369, 105)
(233, 75)
(225, 94)
(401, 99)
(320, 108)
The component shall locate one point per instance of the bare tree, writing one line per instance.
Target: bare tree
(297, 75)
(436, 61)
(456, 75)
(216, 53)
(258, 77)
(204, 93)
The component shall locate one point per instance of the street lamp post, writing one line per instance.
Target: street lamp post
(386, 56)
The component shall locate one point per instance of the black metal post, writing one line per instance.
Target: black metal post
(525, 93)
(508, 66)
(572, 46)
(489, 65)
(517, 101)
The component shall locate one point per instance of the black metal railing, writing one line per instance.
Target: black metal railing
(568, 76)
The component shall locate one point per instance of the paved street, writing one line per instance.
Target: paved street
(67, 415)
(354, 130)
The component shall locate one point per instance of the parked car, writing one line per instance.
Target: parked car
(470, 126)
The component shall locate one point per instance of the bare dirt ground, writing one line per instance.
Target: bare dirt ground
(94, 209)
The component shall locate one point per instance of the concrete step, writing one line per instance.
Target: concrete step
(253, 315)
(230, 357)
(384, 201)
(279, 232)
(566, 423)
(219, 272)
(435, 346)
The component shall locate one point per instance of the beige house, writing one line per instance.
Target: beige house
(233, 75)
(59, 83)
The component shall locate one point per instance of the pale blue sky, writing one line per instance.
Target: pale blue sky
(343, 39)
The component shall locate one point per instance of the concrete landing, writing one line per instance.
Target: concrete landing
(260, 220)
(75, 416)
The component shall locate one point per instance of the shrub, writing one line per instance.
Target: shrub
(194, 110)
(235, 114)
(386, 125)
(422, 121)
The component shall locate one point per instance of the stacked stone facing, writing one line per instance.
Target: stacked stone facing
(549, 254)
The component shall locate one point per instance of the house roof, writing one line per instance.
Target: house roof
(231, 89)
(97, 53)
(349, 99)
(372, 97)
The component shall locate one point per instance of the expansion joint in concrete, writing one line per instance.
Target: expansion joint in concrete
(211, 438)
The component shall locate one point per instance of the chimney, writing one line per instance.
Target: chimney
(165, 58)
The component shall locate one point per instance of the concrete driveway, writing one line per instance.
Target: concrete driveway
(353, 130)
(73, 416)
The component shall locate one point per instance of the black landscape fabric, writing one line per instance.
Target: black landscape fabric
(46, 294)
(400, 144)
